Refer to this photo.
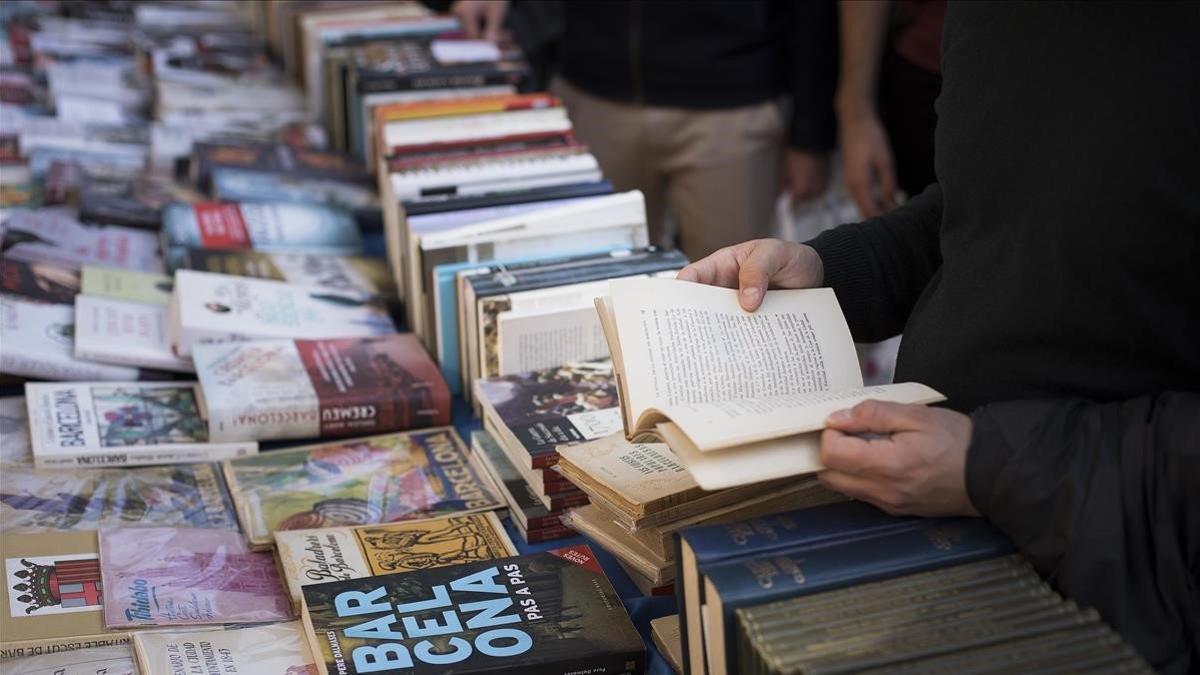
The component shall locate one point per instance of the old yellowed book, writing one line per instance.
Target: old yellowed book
(740, 397)
(665, 633)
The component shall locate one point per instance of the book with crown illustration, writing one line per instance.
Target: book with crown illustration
(740, 397)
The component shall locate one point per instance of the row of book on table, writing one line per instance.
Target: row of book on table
(228, 458)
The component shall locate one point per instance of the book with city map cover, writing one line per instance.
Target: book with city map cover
(740, 397)
(549, 613)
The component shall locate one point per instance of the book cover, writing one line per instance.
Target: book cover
(128, 285)
(665, 632)
(339, 553)
(54, 235)
(274, 389)
(271, 649)
(165, 576)
(52, 593)
(524, 506)
(241, 185)
(184, 495)
(123, 424)
(113, 660)
(544, 409)
(15, 447)
(208, 157)
(637, 477)
(210, 307)
(267, 226)
(366, 481)
(39, 342)
(125, 333)
(353, 274)
(551, 612)
(39, 281)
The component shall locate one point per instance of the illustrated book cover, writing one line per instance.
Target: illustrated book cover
(39, 281)
(54, 235)
(354, 274)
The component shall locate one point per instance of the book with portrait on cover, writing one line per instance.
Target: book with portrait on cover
(91, 424)
(546, 613)
(362, 481)
(740, 397)
(309, 557)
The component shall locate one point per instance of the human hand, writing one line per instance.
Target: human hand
(481, 19)
(919, 468)
(754, 265)
(867, 163)
(805, 174)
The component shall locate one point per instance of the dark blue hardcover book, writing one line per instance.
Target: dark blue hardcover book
(699, 547)
(503, 198)
(788, 573)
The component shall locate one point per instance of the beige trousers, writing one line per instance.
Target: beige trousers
(710, 176)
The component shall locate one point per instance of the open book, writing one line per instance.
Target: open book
(740, 397)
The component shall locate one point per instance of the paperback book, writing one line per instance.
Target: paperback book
(271, 649)
(183, 495)
(240, 185)
(38, 281)
(274, 158)
(207, 308)
(265, 226)
(353, 274)
(54, 235)
(366, 481)
(114, 660)
(39, 342)
(125, 333)
(533, 519)
(551, 612)
(183, 576)
(739, 397)
(665, 633)
(127, 285)
(82, 424)
(276, 389)
(15, 447)
(309, 557)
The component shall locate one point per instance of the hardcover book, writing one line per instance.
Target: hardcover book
(739, 397)
(366, 481)
(186, 495)
(39, 342)
(339, 553)
(552, 612)
(271, 649)
(125, 333)
(524, 507)
(127, 285)
(93, 424)
(275, 389)
(53, 235)
(339, 273)
(210, 307)
(183, 576)
(52, 595)
(537, 411)
(269, 226)
(39, 281)
(114, 660)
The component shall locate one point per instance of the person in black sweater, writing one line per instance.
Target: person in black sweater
(1049, 285)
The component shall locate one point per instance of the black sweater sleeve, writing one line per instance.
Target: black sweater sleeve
(1104, 499)
(879, 267)
(810, 33)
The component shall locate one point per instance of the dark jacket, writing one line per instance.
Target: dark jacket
(708, 54)
(1050, 285)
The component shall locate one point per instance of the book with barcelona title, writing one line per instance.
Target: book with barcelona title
(549, 613)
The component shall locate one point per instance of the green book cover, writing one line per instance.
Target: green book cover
(547, 613)
(122, 284)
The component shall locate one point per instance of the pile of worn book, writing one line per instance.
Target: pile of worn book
(255, 258)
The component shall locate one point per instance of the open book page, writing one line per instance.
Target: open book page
(751, 463)
(685, 344)
(722, 424)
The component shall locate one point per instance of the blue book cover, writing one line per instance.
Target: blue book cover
(804, 570)
(700, 547)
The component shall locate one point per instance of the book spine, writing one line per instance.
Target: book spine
(367, 82)
(548, 534)
(565, 501)
(148, 456)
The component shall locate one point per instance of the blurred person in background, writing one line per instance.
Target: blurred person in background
(890, 75)
(709, 108)
(1048, 285)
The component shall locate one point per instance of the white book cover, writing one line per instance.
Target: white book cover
(54, 235)
(123, 332)
(416, 183)
(454, 128)
(208, 307)
(38, 340)
(94, 424)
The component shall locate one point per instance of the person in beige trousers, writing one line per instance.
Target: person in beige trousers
(709, 108)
